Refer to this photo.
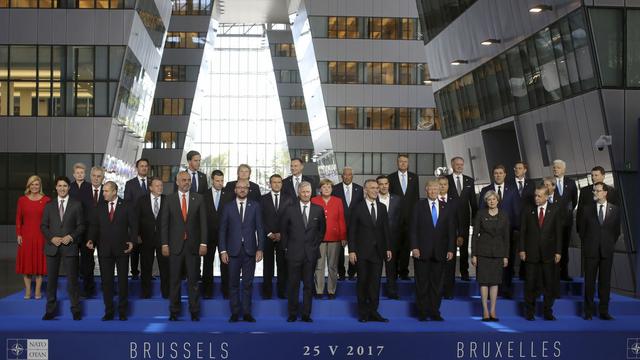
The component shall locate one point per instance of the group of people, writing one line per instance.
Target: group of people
(382, 224)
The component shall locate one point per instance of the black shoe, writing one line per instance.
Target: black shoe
(146, 296)
(393, 296)
(195, 317)
(352, 277)
(77, 316)
(282, 296)
(566, 278)
(122, 317)
(422, 318)
(248, 318)
(377, 317)
(465, 278)
(606, 316)
(529, 317)
(135, 276)
(225, 296)
(234, 318)
(494, 319)
(484, 319)
(292, 318)
(549, 317)
(437, 318)
(332, 296)
(362, 319)
(317, 296)
(107, 317)
(341, 278)
(268, 296)
(173, 317)
(404, 277)
(588, 317)
(448, 297)
(207, 297)
(307, 318)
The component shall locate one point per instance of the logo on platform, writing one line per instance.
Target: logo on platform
(27, 349)
(633, 348)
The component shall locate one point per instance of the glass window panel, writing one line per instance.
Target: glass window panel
(332, 117)
(84, 62)
(581, 45)
(4, 98)
(84, 99)
(23, 62)
(4, 62)
(23, 98)
(116, 56)
(57, 104)
(101, 99)
(340, 160)
(633, 48)
(608, 37)
(44, 62)
(57, 62)
(389, 28)
(367, 164)
(355, 161)
(387, 116)
(425, 165)
(24, 4)
(102, 4)
(548, 69)
(375, 163)
(44, 98)
(389, 164)
(102, 66)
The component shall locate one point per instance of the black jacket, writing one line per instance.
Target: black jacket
(433, 242)
(410, 198)
(111, 237)
(148, 225)
(368, 240)
(467, 202)
(254, 190)
(300, 243)
(73, 223)
(490, 235)
(357, 195)
(598, 241)
(541, 244)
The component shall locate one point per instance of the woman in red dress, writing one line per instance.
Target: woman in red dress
(31, 261)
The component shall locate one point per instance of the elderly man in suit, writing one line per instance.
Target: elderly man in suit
(241, 245)
(302, 230)
(601, 229)
(134, 189)
(113, 231)
(567, 196)
(540, 246)
(369, 246)
(148, 210)
(62, 224)
(184, 239)
(350, 193)
(392, 202)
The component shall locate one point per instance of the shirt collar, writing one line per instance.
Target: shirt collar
(142, 178)
(604, 203)
(183, 193)
(543, 206)
(66, 199)
(95, 188)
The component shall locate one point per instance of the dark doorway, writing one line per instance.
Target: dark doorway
(501, 146)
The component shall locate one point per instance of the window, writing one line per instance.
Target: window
(341, 27)
(633, 49)
(185, 40)
(380, 73)
(192, 7)
(352, 27)
(173, 73)
(343, 72)
(348, 118)
(435, 15)
(170, 106)
(283, 50)
(69, 4)
(298, 129)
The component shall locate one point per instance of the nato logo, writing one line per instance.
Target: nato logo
(16, 349)
(27, 349)
(633, 348)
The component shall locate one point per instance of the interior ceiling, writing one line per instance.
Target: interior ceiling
(254, 11)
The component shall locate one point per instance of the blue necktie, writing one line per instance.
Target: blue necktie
(404, 183)
(217, 200)
(434, 213)
(194, 184)
(144, 185)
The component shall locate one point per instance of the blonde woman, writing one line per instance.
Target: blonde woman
(31, 261)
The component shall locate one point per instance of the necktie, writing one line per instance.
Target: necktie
(95, 197)
(183, 206)
(194, 182)
(520, 187)
(559, 187)
(297, 184)
(458, 185)
(304, 215)
(144, 185)
(601, 214)
(499, 192)
(373, 213)
(443, 199)
(61, 209)
(434, 213)
(156, 207)
(111, 211)
(541, 217)
(241, 211)
(277, 205)
(404, 183)
(216, 200)
(347, 195)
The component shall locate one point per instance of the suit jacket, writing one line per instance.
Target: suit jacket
(148, 225)
(270, 217)
(525, 199)
(111, 236)
(73, 223)
(174, 227)
(569, 199)
(254, 190)
(509, 203)
(394, 213)
(357, 195)
(81, 193)
(408, 199)
(333, 211)
(598, 241)
(233, 230)
(213, 215)
(452, 205)
(133, 190)
(302, 243)
(287, 186)
(202, 183)
(467, 203)
(541, 244)
(433, 241)
(491, 235)
(585, 202)
(368, 240)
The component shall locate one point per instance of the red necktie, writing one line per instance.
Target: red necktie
(111, 211)
(184, 212)
(541, 217)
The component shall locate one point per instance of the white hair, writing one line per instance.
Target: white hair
(560, 163)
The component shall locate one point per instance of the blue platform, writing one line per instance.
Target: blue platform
(334, 334)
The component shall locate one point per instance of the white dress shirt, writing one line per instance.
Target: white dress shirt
(386, 200)
(431, 202)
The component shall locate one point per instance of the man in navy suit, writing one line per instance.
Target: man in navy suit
(392, 202)
(586, 198)
(134, 189)
(433, 235)
(449, 280)
(198, 178)
(114, 232)
(567, 197)
(600, 226)
(525, 188)
(291, 183)
(462, 188)
(350, 193)
(241, 245)
(244, 173)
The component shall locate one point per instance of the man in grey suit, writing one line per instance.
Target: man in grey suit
(62, 225)
(184, 240)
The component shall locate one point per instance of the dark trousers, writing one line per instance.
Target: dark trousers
(402, 250)
(464, 253)
(107, 266)
(351, 270)
(428, 277)
(274, 255)
(247, 264)
(600, 269)
(368, 287)
(176, 264)
(508, 272)
(207, 273)
(566, 239)
(70, 264)
(87, 265)
(135, 261)
(147, 254)
(301, 271)
(535, 272)
(391, 285)
(448, 277)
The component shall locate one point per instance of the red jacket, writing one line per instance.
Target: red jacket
(334, 215)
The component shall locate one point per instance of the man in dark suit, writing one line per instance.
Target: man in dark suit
(462, 188)
(433, 236)
(134, 189)
(198, 179)
(62, 223)
(369, 246)
(244, 173)
(273, 205)
(601, 229)
(215, 199)
(393, 203)
(525, 188)
(540, 245)
(302, 230)
(148, 214)
(449, 279)
(241, 245)
(81, 190)
(586, 198)
(113, 231)
(184, 239)
(508, 201)
(350, 193)
(567, 196)
(405, 185)
(291, 183)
